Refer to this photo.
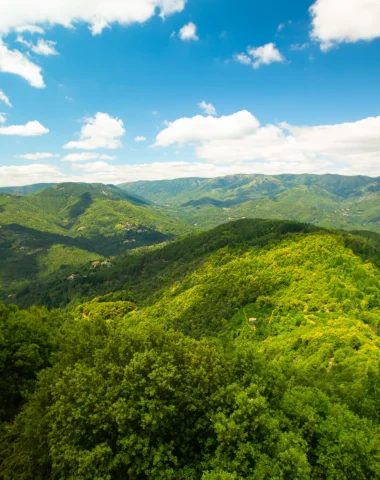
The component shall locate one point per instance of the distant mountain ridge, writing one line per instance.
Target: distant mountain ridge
(327, 200)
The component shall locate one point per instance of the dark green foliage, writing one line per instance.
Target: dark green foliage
(247, 352)
(27, 340)
(142, 403)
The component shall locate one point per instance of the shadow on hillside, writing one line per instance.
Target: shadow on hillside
(21, 246)
(147, 273)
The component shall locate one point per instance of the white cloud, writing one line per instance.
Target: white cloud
(105, 173)
(298, 47)
(258, 56)
(99, 14)
(140, 139)
(102, 172)
(243, 58)
(44, 47)
(3, 118)
(265, 55)
(155, 112)
(13, 61)
(344, 21)
(205, 129)
(28, 174)
(86, 156)
(281, 27)
(207, 108)
(30, 29)
(101, 131)
(30, 129)
(239, 138)
(188, 32)
(4, 99)
(37, 156)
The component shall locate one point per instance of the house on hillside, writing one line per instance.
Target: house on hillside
(106, 264)
(73, 277)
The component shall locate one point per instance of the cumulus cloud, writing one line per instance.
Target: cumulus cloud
(99, 14)
(3, 118)
(30, 129)
(4, 99)
(86, 156)
(258, 56)
(188, 32)
(37, 156)
(240, 138)
(140, 139)
(101, 131)
(205, 129)
(344, 21)
(265, 55)
(208, 108)
(14, 62)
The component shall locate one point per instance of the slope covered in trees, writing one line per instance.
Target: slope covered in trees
(250, 351)
(69, 224)
(327, 200)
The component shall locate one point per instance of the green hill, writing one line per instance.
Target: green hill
(326, 200)
(248, 351)
(70, 224)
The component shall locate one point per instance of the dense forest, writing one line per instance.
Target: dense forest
(250, 351)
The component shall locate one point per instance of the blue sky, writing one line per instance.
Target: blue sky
(285, 89)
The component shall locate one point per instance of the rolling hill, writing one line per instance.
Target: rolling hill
(248, 351)
(69, 224)
(326, 200)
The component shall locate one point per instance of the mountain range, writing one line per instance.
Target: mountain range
(327, 200)
(45, 229)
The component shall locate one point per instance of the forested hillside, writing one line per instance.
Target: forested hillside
(247, 352)
(327, 200)
(67, 225)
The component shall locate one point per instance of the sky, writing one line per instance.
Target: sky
(114, 91)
